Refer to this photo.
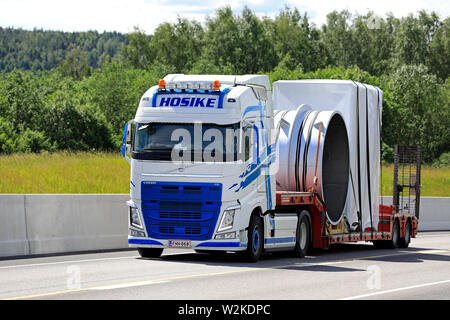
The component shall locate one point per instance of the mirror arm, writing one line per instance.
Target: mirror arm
(126, 147)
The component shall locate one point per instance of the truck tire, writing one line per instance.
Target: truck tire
(150, 252)
(303, 235)
(404, 242)
(255, 239)
(395, 240)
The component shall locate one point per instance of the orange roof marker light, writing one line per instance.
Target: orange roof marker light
(216, 85)
(162, 84)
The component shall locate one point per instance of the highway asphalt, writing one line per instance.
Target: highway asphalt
(346, 271)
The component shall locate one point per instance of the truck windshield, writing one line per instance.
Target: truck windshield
(186, 142)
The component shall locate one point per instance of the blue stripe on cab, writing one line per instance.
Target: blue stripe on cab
(221, 97)
(219, 244)
(280, 240)
(144, 241)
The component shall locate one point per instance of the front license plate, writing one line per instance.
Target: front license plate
(180, 243)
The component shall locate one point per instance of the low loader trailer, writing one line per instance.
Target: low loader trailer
(395, 228)
(221, 163)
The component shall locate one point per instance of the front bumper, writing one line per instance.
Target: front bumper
(220, 245)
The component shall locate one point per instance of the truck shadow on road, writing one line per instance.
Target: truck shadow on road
(317, 260)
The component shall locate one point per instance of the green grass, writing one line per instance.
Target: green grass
(64, 172)
(435, 182)
(84, 172)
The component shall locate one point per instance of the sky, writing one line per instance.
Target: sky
(123, 15)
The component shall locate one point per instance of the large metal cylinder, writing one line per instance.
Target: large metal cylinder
(313, 143)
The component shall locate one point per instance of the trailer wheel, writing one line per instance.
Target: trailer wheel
(150, 252)
(404, 242)
(255, 239)
(303, 235)
(395, 240)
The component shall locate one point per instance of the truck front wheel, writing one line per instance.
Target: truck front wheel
(150, 252)
(255, 239)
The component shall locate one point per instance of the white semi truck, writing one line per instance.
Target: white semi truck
(220, 163)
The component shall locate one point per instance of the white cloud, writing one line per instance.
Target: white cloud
(318, 9)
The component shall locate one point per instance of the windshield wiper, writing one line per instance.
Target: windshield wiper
(153, 149)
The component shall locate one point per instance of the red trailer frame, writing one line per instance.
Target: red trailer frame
(321, 238)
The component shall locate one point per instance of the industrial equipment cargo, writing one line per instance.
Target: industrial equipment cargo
(220, 163)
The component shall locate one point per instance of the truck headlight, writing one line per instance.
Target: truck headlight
(227, 220)
(135, 220)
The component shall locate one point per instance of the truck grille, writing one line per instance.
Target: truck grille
(180, 215)
(180, 210)
(183, 230)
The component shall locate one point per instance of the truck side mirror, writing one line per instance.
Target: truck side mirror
(127, 140)
(250, 139)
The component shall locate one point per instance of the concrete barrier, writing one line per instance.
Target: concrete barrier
(33, 224)
(13, 230)
(434, 214)
(55, 223)
(64, 223)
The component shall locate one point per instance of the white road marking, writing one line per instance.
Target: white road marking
(79, 261)
(395, 290)
(63, 262)
(126, 285)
